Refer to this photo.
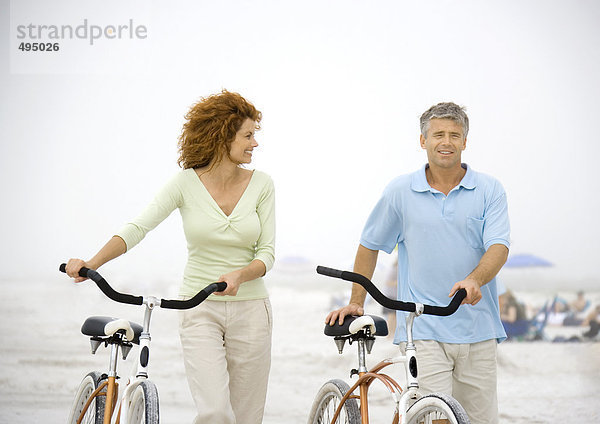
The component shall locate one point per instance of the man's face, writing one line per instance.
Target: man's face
(444, 143)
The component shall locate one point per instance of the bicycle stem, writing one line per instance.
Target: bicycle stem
(144, 353)
(411, 350)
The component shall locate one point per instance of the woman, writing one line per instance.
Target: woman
(229, 223)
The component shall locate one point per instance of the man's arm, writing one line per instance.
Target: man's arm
(490, 264)
(364, 264)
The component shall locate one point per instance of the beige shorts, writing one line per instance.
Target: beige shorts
(467, 372)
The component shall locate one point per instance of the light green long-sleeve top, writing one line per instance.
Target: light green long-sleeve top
(217, 243)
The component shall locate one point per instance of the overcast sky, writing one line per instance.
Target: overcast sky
(88, 133)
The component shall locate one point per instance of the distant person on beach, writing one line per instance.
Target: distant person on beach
(450, 224)
(229, 223)
(575, 313)
(511, 310)
(513, 315)
(593, 320)
(580, 303)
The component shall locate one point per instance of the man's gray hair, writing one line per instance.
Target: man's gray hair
(447, 110)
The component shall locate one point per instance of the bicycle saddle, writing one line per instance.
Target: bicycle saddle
(107, 326)
(354, 324)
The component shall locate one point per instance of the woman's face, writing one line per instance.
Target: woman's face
(244, 143)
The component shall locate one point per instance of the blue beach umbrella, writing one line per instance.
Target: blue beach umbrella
(526, 260)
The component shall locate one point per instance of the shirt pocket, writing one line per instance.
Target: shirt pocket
(475, 232)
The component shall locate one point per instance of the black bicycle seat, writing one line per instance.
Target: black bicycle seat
(381, 328)
(97, 327)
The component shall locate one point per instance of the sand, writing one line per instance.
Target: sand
(44, 356)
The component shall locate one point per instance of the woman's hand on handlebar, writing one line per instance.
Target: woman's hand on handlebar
(353, 309)
(473, 291)
(233, 280)
(73, 267)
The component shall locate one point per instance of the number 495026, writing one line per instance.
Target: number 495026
(39, 47)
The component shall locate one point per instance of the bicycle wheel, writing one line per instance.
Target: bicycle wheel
(95, 412)
(327, 401)
(436, 408)
(143, 408)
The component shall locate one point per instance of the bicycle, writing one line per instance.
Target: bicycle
(97, 397)
(336, 402)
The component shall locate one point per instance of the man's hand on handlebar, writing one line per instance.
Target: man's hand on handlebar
(353, 309)
(473, 291)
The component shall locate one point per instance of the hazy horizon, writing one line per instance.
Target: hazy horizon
(88, 136)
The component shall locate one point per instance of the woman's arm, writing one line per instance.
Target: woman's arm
(265, 209)
(165, 201)
(234, 279)
(114, 248)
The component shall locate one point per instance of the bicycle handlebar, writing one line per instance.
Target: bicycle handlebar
(391, 303)
(139, 300)
(196, 300)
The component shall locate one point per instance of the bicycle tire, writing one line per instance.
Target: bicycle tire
(143, 408)
(437, 406)
(326, 402)
(95, 412)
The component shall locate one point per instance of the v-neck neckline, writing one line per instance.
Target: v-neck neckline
(214, 202)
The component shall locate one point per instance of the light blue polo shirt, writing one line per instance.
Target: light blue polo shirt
(441, 239)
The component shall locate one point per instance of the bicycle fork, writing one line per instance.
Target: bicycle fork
(144, 356)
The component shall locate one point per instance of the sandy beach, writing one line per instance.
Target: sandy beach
(44, 356)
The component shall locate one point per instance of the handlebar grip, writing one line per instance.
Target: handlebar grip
(83, 272)
(330, 272)
(221, 286)
(196, 300)
(105, 287)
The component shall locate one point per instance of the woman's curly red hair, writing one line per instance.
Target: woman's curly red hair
(210, 127)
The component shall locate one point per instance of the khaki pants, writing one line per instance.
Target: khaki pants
(227, 355)
(467, 372)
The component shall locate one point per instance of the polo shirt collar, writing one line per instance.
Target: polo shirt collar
(419, 180)
(468, 181)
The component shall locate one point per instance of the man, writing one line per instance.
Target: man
(451, 227)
